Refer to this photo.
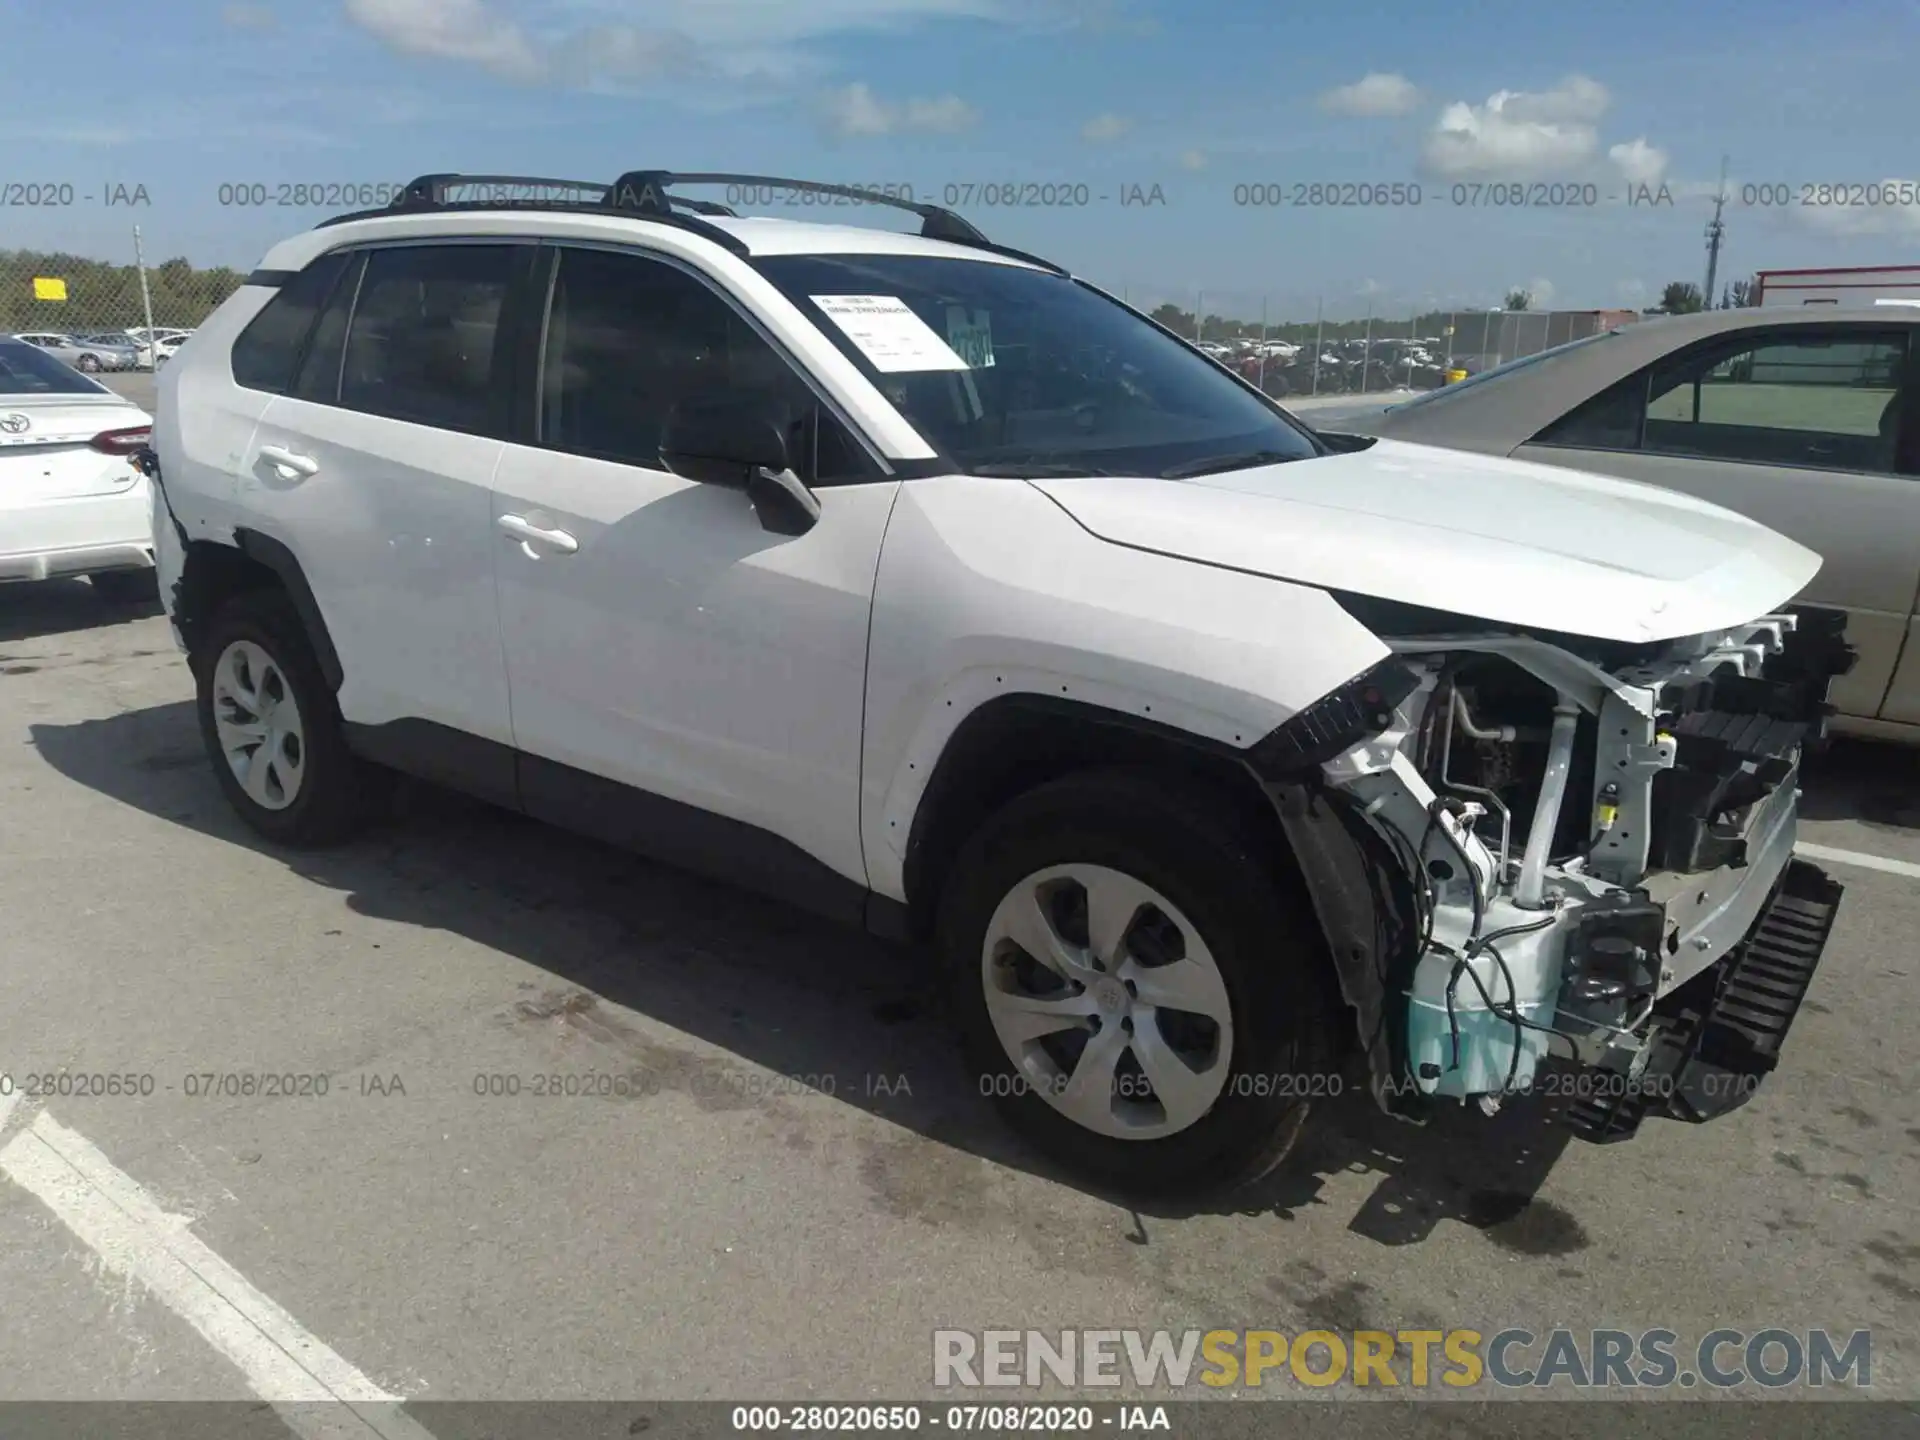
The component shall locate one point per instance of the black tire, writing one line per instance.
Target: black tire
(1217, 867)
(338, 793)
(88, 363)
(126, 587)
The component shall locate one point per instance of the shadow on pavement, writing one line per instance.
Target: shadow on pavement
(784, 991)
(37, 609)
(1872, 781)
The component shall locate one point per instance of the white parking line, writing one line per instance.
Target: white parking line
(1858, 859)
(315, 1392)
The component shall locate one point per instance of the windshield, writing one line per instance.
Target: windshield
(1008, 370)
(1506, 368)
(25, 370)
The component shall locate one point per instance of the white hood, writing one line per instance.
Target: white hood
(1503, 540)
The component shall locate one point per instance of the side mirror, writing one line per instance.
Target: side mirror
(733, 443)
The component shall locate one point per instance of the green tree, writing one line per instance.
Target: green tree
(1682, 297)
(1519, 300)
(105, 296)
(1744, 294)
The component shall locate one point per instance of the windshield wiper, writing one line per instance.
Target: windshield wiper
(1019, 471)
(1213, 464)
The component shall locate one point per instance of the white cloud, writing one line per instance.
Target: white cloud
(946, 115)
(1541, 290)
(466, 30)
(1193, 160)
(583, 42)
(1519, 133)
(856, 111)
(1103, 128)
(1372, 95)
(249, 17)
(1847, 222)
(1638, 162)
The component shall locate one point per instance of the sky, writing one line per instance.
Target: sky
(1202, 112)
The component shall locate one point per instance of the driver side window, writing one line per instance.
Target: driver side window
(628, 338)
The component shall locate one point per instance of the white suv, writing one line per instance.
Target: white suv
(916, 581)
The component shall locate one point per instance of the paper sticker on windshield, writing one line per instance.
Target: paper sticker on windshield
(888, 333)
(970, 335)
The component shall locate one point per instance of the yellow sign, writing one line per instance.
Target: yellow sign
(44, 289)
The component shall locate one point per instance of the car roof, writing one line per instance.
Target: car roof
(760, 235)
(1498, 414)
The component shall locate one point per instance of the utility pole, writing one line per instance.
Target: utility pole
(1716, 231)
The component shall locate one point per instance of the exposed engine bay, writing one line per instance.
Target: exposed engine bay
(1574, 849)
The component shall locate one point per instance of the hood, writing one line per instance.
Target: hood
(1521, 544)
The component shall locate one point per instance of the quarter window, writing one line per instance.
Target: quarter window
(266, 351)
(425, 331)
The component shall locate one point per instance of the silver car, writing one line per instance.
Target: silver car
(1806, 420)
(92, 354)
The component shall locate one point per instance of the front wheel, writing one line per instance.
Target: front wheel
(1138, 982)
(89, 363)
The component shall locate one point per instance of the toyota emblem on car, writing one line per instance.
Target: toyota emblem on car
(15, 424)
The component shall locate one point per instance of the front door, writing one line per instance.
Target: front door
(656, 636)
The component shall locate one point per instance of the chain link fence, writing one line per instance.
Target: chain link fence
(109, 311)
(107, 314)
(1287, 345)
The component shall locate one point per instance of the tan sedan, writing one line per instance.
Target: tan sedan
(1807, 420)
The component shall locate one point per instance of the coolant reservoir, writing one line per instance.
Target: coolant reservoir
(1486, 1041)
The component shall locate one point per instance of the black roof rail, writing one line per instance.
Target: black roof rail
(644, 194)
(642, 188)
(427, 194)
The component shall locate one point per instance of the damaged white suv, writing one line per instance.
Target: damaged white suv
(912, 579)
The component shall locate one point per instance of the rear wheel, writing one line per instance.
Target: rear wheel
(1138, 986)
(88, 363)
(273, 729)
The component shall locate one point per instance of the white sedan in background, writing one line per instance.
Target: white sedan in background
(71, 500)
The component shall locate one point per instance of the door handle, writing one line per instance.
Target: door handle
(522, 529)
(288, 463)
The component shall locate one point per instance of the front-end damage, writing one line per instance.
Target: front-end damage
(1532, 849)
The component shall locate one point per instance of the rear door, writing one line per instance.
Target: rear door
(1809, 429)
(374, 469)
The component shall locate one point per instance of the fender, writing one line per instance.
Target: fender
(282, 561)
(988, 589)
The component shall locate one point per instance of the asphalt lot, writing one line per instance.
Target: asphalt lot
(733, 1231)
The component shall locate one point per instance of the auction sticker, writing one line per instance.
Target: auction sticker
(889, 334)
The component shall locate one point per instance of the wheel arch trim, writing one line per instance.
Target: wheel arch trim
(277, 557)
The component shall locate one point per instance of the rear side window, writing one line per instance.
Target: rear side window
(266, 351)
(425, 329)
(319, 377)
